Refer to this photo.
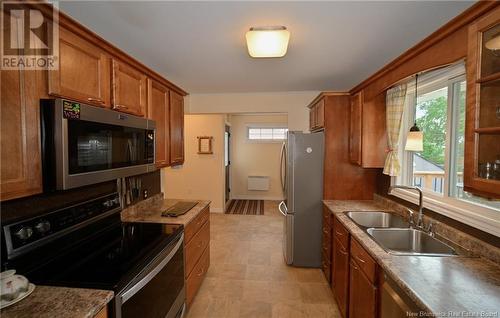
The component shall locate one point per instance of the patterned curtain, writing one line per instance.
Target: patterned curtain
(394, 114)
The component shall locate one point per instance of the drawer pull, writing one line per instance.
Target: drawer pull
(118, 106)
(200, 272)
(343, 251)
(95, 100)
(359, 259)
(200, 243)
(338, 233)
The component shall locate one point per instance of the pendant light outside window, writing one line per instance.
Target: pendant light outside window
(415, 138)
(267, 41)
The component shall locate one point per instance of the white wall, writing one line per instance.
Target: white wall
(250, 158)
(201, 177)
(294, 104)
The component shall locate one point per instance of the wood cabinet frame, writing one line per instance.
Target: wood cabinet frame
(472, 182)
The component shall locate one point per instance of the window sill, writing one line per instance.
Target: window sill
(482, 218)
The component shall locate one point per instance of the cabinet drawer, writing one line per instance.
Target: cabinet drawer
(195, 248)
(196, 224)
(366, 263)
(341, 233)
(195, 279)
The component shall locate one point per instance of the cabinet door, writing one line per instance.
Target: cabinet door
(83, 72)
(362, 294)
(312, 118)
(340, 278)
(176, 129)
(20, 131)
(159, 111)
(320, 114)
(355, 129)
(129, 89)
(482, 130)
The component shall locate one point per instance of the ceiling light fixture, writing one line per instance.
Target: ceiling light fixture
(267, 41)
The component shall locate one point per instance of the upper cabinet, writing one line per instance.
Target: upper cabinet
(482, 131)
(83, 73)
(159, 111)
(176, 129)
(129, 89)
(367, 131)
(21, 173)
(317, 115)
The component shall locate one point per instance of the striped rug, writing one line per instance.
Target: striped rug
(249, 207)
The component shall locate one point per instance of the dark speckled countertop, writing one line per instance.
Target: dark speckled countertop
(60, 302)
(439, 285)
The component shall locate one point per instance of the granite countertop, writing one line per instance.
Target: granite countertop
(49, 302)
(439, 285)
(150, 211)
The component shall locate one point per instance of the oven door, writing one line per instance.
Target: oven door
(159, 290)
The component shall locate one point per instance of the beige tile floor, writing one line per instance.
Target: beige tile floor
(248, 277)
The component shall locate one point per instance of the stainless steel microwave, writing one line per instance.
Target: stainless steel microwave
(83, 144)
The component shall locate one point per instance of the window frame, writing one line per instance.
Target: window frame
(476, 215)
(268, 126)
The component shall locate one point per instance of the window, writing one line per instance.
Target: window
(438, 170)
(267, 133)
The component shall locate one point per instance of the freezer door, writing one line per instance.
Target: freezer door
(287, 233)
(305, 194)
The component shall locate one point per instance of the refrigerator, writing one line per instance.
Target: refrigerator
(301, 174)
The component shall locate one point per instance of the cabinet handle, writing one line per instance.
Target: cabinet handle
(95, 100)
(200, 243)
(343, 251)
(338, 233)
(120, 106)
(200, 272)
(354, 266)
(359, 259)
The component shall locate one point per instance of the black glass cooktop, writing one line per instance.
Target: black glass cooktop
(109, 259)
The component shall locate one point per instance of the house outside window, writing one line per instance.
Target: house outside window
(266, 133)
(438, 170)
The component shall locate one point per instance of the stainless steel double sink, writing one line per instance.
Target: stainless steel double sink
(394, 235)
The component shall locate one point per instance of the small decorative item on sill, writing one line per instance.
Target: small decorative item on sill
(205, 145)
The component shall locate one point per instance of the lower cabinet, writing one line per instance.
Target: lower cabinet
(340, 261)
(197, 253)
(354, 275)
(326, 249)
(103, 313)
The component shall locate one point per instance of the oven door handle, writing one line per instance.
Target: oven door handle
(149, 276)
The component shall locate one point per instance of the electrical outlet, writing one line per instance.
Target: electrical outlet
(145, 194)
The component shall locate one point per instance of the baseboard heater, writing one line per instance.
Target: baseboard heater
(258, 183)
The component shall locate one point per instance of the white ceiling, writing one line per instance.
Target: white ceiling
(201, 45)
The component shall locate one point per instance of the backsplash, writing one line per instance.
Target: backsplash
(468, 242)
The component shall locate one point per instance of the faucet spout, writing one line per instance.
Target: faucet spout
(420, 218)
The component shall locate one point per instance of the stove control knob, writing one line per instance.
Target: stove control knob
(24, 233)
(108, 203)
(42, 227)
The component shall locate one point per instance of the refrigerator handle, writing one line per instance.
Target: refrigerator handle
(283, 168)
(282, 208)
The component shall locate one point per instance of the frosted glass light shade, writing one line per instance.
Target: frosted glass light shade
(493, 44)
(267, 41)
(415, 141)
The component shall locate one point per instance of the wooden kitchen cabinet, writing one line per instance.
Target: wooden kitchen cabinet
(84, 71)
(340, 261)
(159, 111)
(129, 89)
(176, 129)
(21, 90)
(367, 131)
(197, 252)
(362, 283)
(326, 250)
(482, 130)
(317, 116)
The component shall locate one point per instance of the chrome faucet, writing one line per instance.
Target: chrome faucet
(420, 218)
